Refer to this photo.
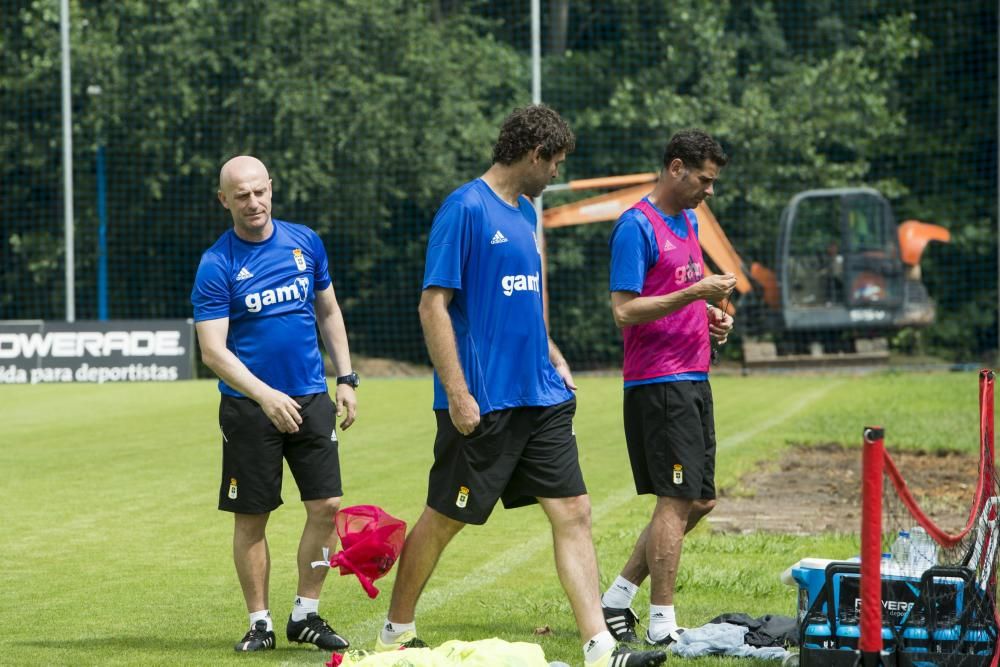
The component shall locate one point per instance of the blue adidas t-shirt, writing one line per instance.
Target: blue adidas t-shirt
(486, 251)
(633, 252)
(267, 289)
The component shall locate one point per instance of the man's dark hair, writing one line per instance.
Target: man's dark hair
(693, 147)
(529, 127)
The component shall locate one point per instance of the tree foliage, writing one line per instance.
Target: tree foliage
(368, 114)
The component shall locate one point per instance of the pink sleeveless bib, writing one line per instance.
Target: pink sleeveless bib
(677, 343)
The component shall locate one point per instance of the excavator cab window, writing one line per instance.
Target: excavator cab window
(815, 263)
(873, 271)
(867, 231)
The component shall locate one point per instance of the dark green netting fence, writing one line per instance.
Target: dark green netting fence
(369, 113)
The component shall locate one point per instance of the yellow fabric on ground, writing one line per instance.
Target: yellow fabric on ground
(454, 653)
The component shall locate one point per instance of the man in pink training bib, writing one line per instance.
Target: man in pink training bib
(660, 298)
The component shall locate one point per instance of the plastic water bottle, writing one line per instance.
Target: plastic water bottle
(916, 639)
(946, 634)
(889, 567)
(900, 551)
(818, 633)
(923, 551)
(888, 640)
(977, 639)
(848, 630)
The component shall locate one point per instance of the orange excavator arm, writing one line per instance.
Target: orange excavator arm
(594, 209)
(914, 237)
(609, 206)
(716, 244)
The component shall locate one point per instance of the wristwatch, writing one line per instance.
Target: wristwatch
(351, 379)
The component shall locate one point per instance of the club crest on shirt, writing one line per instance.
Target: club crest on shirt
(300, 261)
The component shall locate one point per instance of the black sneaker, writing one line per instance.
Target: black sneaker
(314, 630)
(666, 641)
(625, 657)
(257, 638)
(621, 623)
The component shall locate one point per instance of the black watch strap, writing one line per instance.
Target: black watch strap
(351, 379)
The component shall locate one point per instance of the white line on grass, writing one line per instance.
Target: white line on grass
(804, 401)
(489, 572)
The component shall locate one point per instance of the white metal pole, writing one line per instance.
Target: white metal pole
(536, 98)
(67, 161)
(536, 51)
(536, 87)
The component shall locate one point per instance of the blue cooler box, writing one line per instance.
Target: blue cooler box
(810, 575)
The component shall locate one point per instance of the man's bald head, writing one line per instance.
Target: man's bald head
(240, 168)
(245, 191)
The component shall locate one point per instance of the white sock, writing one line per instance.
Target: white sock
(599, 645)
(391, 631)
(302, 607)
(662, 621)
(263, 614)
(620, 594)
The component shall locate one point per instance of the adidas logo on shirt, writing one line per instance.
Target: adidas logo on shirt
(243, 274)
(668, 246)
(498, 238)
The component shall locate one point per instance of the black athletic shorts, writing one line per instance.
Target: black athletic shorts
(515, 455)
(252, 450)
(670, 431)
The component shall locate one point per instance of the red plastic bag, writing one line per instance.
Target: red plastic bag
(371, 539)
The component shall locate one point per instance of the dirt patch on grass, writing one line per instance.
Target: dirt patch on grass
(817, 489)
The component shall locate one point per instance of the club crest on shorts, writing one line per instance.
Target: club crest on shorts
(300, 261)
(232, 488)
(678, 473)
(463, 497)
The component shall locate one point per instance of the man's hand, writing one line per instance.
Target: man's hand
(715, 287)
(563, 369)
(464, 412)
(347, 405)
(720, 323)
(282, 410)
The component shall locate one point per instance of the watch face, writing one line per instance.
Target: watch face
(352, 380)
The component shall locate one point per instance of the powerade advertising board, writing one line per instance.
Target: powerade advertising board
(899, 594)
(36, 351)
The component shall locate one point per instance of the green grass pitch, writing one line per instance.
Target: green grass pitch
(112, 551)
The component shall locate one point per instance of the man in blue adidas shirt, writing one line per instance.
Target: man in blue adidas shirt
(259, 294)
(502, 391)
